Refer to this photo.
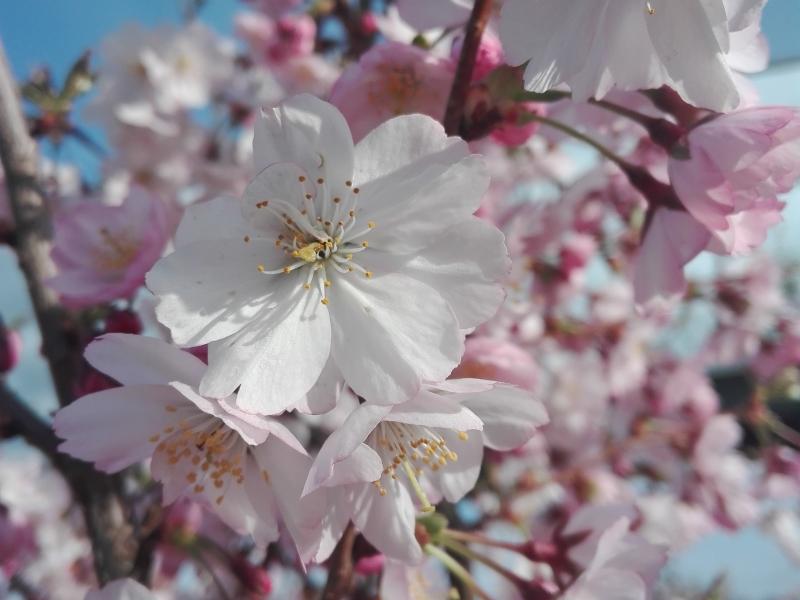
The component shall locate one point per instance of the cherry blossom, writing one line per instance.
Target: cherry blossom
(336, 256)
(242, 467)
(383, 459)
(103, 252)
(629, 45)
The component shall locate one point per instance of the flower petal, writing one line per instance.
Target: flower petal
(404, 330)
(90, 426)
(136, 359)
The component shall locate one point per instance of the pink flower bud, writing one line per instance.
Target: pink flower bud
(10, 349)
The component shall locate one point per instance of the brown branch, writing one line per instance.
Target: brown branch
(105, 517)
(340, 567)
(478, 19)
(32, 232)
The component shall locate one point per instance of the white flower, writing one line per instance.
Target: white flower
(382, 458)
(595, 46)
(245, 468)
(366, 259)
(149, 75)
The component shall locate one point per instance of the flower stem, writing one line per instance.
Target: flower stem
(469, 553)
(466, 65)
(466, 536)
(574, 133)
(456, 569)
(427, 507)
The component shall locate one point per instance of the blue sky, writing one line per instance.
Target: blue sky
(55, 32)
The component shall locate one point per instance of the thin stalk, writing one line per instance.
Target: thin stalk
(473, 538)
(469, 553)
(457, 570)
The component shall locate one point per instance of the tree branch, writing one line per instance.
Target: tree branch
(340, 567)
(32, 232)
(466, 65)
(105, 517)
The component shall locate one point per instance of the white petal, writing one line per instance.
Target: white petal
(136, 359)
(390, 333)
(434, 410)
(323, 396)
(276, 361)
(459, 477)
(303, 516)
(111, 428)
(465, 265)
(310, 133)
(510, 415)
(343, 442)
(388, 522)
(402, 146)
(210, 290)
(411, 212)
(362, 466)
(218, 218)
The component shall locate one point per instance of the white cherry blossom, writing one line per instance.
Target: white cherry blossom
(598, 45)
(359, 263)
(245, 468)
(385, 462)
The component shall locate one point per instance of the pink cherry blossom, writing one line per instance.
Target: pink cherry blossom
(103, 252)
(121, 589)
(379, 461)
(737, 165)
(245, 468)
(498, 360)
(392, 79)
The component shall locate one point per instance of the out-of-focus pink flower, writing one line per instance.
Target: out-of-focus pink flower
(370, 565)
(618, 563)
(10, 348)
(103, 252)
(294, 37)
(392, 79)
(254, 579)
(274, 8)
(737, 165)
(499, 360)
(489, 56)
(513, 133)
(17, 544)
(6, 217)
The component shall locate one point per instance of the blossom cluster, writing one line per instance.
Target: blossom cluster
(326, 321)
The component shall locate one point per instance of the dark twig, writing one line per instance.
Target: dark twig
(340, 567)
(105, 517)
(466, 65)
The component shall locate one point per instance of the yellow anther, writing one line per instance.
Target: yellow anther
(307, 286)
(325, 301)
(336, 200)
(371, 224)
(154, 438)
(365, 244)
(356, 190)
(198, 489)
(265, 475)
(246, 239)
(348, 183)
(320, 180)
(463, 436)
(368, 274)
(309, 252)
(170, 408)
(287, 270)
(263, 204)
(261, 268)
(301, 179)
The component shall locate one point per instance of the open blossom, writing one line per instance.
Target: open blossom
(364, 261)
(149, 75)
(247, 469)
(392, 79)
(737, 165)
(594, 47)
(382, 457)
(103, 252)
(623, 566)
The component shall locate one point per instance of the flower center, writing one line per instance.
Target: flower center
(322, 234)
(116, 252)
(413, 449)
(213, 452)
